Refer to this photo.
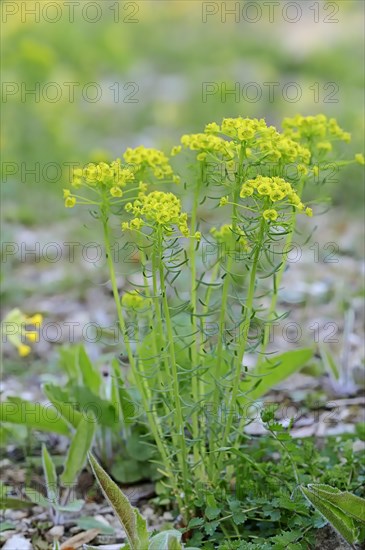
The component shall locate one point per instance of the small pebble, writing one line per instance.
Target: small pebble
(17, 542)
(56, 531)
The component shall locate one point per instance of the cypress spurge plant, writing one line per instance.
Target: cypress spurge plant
(203, 287)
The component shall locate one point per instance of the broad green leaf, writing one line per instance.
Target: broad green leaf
(347, 502)
(77, 452)
(91, 523)
(104, 411)
(33, 415)
(272, 371)
(50, 475)
(83, 401)
(168, 540)
(121, 505)
(90, 375)
(128, 470)
(212, 511)
(7, 526)
(67, 410)
(73, 506)
(10, 503)
(339, 519)
(68, 361)
(138, 448)
(37, 497)
(141, 529)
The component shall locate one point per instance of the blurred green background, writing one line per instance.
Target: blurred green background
(107, 75)
(136, 75)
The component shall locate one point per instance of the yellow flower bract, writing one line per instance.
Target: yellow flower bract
(143, 157)
(159, 208)
(275, 189)
(133, 300)
(317, 129)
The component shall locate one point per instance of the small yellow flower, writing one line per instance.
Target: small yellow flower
(116, 191)
(246, 191)
(24, 350)
(70, 202)
(34, 319)
(270, 215)
(197, 235)
(136, 223)
(142, 186)
(32, 335)
(14, 329)
(125, 226)
(66, 193)
(175, 150)
(309, 212)
(360, 158)
(277, 195)
(223, 201)
(264, 189)
(212, 128)
(133, 300)
(324, 146)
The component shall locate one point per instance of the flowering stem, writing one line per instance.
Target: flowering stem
(140, 382)
(277, 280)
(198, 446)
(246, 326)
(226, 283)
(156, 344)
(182, 455)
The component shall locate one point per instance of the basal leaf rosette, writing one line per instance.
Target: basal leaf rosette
(97, 183)
(160, 211)
(272, 196)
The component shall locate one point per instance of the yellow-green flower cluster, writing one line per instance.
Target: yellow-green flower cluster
(261, 139)
(275, 190)
(112, 177)
(318, 130)
(277, 147)
(207, 143)
(242, 129)
(133, 300)
(157, 208)
(15, 328)
(143, 157)
(224, 235)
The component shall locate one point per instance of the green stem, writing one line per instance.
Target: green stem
(140, 381)
(199, 444)
(246, 326)
(179, 429)
(222, 317)
(156, 343)
(277, 281)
